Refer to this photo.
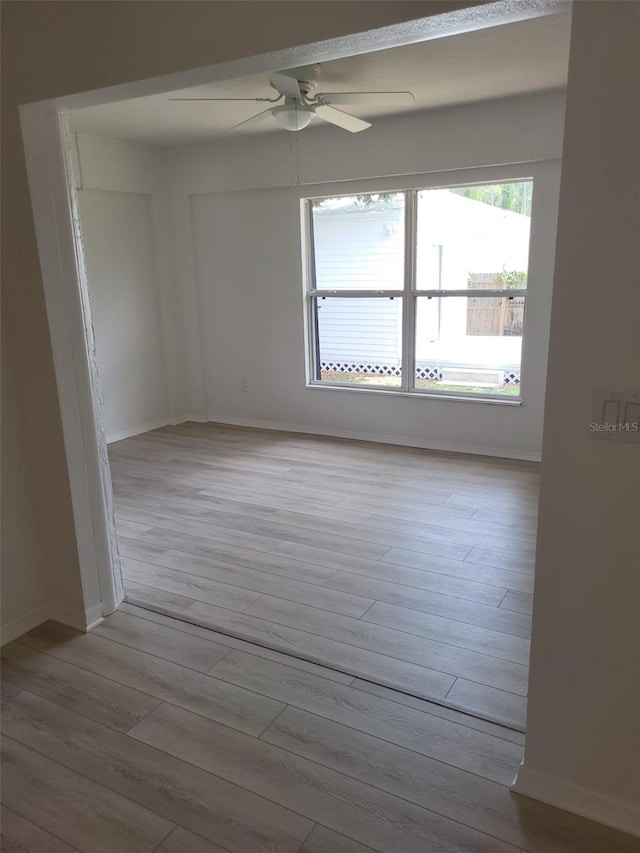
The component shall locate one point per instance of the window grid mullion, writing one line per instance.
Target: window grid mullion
(409, 301)
(443, 294)
(314, 335)
(356, 294)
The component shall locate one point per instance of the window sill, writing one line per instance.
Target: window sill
(429, 395)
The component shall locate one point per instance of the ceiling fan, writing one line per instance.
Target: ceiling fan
(297, 103)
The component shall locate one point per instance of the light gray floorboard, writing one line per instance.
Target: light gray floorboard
(381, 562)
(71, 687)
(439, 656)
(346, 805)
(183, 841)
(323, 840)
(335, 601)
(521, 602)
(159, 678)
(491, 594)
(73, 808)
(456, 610)
(335, 768)
(6, 687)
(488, 701)
(188, 585)
(149, 596)
(501, 560)
(443, 711)
(462, 569)
(269, 529)
(147, 777)
(460, 746)
(357, 661)
(166, 540)
(432, 785)
(486, 641)
(19, 835)
(234, 643)
(193, 652)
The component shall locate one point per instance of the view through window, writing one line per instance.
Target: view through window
(422, 291)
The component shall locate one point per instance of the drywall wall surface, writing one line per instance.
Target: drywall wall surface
(119, 249)
(25, 593)
(248, 272)
(583, 738)
(121, 192)
(507, 130)
(50, 50)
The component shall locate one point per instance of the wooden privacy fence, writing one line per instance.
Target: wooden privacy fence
(493, 315)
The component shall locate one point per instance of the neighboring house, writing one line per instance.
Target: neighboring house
(461, 243)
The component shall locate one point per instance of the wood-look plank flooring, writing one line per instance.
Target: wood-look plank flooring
(152, 734)
(399, 566)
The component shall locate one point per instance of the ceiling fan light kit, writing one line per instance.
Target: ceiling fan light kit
(301, 104)
(293, 116)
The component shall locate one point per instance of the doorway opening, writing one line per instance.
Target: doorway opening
(162, 238)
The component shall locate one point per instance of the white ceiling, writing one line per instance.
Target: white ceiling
(528, 56)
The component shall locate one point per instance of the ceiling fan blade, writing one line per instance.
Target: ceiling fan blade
(341, 119)
(286, 85)
(394, 98)
(256, 100)
(253, 120)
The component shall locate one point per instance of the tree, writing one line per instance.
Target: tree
(513, 196)
(362, 200)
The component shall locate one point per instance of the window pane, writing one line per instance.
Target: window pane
(359, 341)
(450, 359)
(474, 237)
(359, 242)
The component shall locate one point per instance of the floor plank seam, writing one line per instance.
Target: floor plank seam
(433, 811)
(362, 615)
(195, 620)
(271, 722)
(105, 677)
(430, 570)
(43, 828)
(93, 782)
(153, 654)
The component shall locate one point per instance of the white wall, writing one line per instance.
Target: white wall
(121, 209)
(53, 50)
(583, 732)
(24, 600)
(245, 274)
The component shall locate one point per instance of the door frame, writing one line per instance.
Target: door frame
(48, 151)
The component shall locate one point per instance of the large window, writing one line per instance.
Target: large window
(420, 291)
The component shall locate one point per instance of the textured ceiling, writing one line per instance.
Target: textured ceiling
(528, 56)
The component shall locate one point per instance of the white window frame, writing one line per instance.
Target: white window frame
(409, 295)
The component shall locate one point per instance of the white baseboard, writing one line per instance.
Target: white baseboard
(200, 419)
(81, 620)
(138, 430)
(403, 441)
(17, 627)
(379, 438)
(577, 800)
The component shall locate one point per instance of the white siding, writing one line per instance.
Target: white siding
(359, 249)
(362, 248)
(354, 330)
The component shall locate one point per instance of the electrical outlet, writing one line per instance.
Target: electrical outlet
(244, 385)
